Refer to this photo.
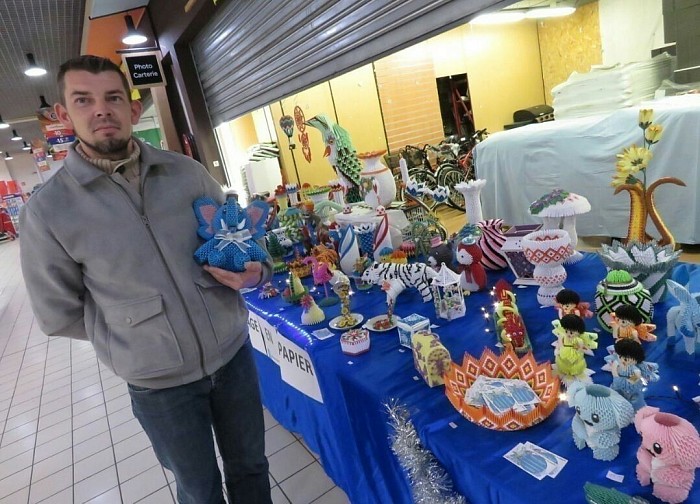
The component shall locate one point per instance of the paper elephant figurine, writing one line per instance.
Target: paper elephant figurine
(668, 455)
(684, 319)
(230, 232)
(601, 413)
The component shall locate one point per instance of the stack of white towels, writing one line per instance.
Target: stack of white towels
(608, 88)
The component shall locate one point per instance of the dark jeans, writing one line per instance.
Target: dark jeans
(179, 422)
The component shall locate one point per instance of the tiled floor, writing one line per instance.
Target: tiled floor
(68, 434)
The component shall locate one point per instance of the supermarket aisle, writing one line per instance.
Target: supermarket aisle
(68, 434)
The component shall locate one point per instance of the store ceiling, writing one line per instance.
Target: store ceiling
(52, 30)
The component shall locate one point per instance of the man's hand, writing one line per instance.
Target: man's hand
(237, 281)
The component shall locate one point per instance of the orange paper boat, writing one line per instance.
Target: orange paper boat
(507, 365)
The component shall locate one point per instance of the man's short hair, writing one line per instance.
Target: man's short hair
(92, 64)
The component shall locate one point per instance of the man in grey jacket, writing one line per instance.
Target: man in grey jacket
(106, 254)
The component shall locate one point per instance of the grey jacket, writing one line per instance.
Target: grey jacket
(98, 267)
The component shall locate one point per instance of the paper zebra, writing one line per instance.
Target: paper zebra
(416, 275)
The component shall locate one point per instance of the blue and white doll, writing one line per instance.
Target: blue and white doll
(631, 373)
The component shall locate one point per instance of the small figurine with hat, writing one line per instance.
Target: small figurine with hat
(472, 272)
(440, 253)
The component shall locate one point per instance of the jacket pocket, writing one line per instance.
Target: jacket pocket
(142, 343)
(223, 307)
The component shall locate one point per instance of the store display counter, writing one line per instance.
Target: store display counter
(350, 430)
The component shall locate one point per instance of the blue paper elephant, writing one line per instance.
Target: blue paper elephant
(230, 232)
(684, 319)
(601, 413)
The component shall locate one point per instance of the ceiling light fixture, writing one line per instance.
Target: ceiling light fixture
(8, 156)
(33, 70)
(44, 103)
(15, 136)
(502, 17)
(549, 12)
(559, 9)
(3, 124)
(132, 37)
(26, 146)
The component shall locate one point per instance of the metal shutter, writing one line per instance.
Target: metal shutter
(257, 51)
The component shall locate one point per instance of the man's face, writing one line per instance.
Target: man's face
(98, 109)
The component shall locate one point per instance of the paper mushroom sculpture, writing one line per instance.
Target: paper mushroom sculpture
(561, 207)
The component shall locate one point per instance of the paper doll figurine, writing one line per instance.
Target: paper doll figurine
(627, 322)
(569, 302)
(631, 373)
(573, 341)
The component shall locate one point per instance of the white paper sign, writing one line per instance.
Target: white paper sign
(263, 336)
(297, 368)
(270, 336)
(257, 338)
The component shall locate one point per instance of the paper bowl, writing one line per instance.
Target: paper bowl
(507, 365)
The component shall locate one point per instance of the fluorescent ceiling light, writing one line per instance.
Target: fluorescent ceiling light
(8, 156)
(549, 12)
(132, 37)
(3, 124)
(501, 17)
(26, 146)
(33, 70)
(15, 136)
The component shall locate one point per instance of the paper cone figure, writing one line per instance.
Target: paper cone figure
(382, 238)
(348, 250)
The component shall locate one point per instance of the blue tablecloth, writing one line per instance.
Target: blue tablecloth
(349, 430)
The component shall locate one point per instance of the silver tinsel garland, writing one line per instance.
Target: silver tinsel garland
(430, 484)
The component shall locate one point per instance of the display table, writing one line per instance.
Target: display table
(579, 155)
(349, 429)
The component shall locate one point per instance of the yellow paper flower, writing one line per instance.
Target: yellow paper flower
(633, 159)
(619, 179)
(645, 118)
(653, 133)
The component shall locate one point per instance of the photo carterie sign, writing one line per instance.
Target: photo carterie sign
(143, 69)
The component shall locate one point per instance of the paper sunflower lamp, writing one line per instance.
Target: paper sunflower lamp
(561, 207)
(631, 176)
(508, 365)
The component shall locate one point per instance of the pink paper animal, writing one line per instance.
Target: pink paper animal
(669, 454)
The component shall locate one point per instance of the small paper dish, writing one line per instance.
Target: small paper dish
(335, 323)
(373, 323)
